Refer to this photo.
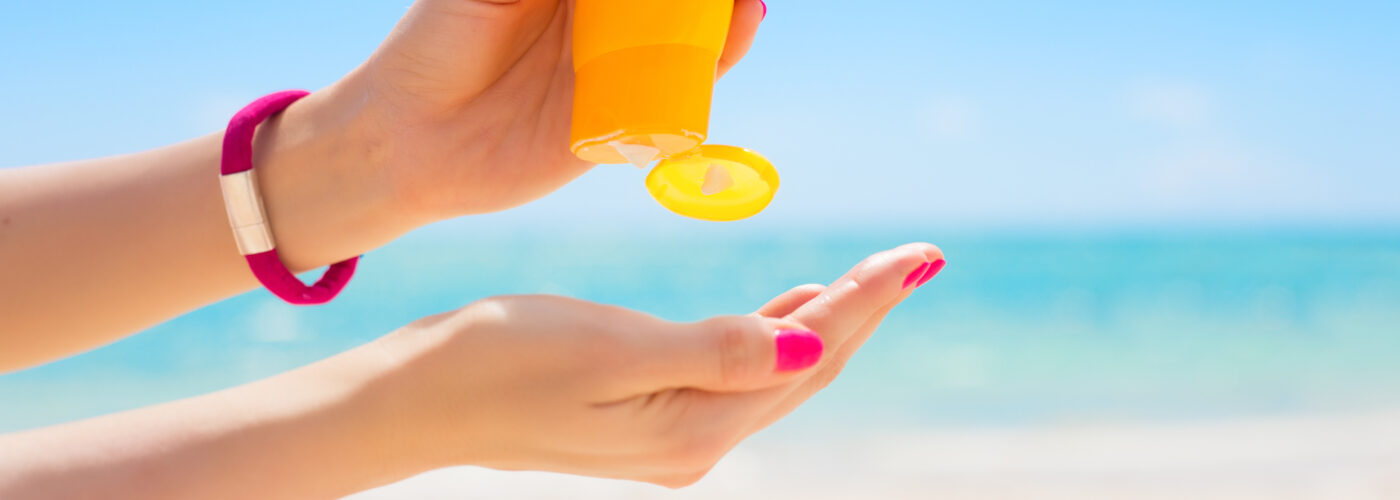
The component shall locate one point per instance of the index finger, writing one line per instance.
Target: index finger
(838, 314)
(743, 26)
(873, 284)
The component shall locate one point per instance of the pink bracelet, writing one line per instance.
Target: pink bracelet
(248, 216)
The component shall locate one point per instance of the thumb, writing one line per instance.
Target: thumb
(739, 353)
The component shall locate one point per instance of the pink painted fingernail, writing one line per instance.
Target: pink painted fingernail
(932, 271)
(797, 349)
(914, 276)
(765, 9)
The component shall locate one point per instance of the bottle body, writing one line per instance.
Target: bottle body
(644, 76)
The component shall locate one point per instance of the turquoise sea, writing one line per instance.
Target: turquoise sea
(1022, 328)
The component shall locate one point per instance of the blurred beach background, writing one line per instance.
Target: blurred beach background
(1172, 230)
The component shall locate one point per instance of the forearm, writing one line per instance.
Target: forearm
(93, 250)
(317, 432)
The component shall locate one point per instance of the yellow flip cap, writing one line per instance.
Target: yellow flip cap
(715, 183)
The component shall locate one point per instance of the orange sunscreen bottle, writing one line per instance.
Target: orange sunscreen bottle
(644, 78)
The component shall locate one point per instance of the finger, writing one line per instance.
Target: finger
(742, 29)
(840, 354)
(730, 354)
(836, 361)
(790, 300)
(875, 283)
(872, 280)
(819, 379)
(850, 310)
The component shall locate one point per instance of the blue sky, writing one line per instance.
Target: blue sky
(901, 112)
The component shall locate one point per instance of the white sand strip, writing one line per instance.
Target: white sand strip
(1331, 458)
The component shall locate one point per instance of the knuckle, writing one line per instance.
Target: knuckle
(489, 309)
(871, 278)
(730, 342)
(868, 273)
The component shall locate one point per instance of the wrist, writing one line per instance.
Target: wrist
(319, 180)
(417, 393)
